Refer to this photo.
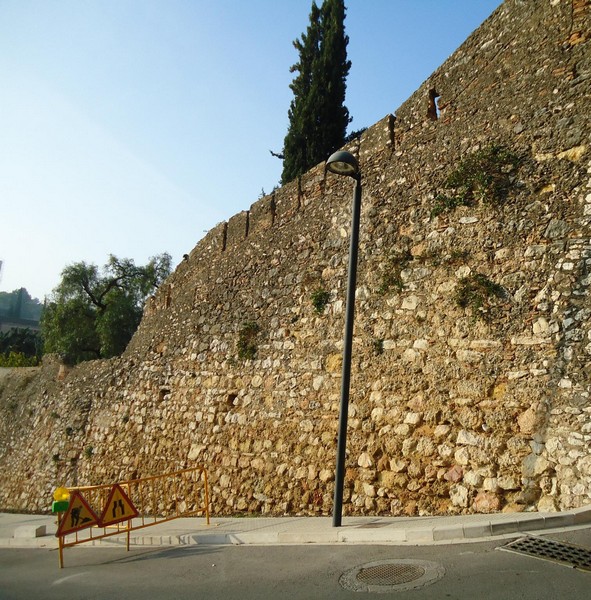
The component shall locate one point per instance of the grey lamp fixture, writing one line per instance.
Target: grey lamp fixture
(344, 163)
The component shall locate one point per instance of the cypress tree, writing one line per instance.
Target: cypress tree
(318, 118)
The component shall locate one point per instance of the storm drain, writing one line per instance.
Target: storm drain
(390, 575)
(566, 554)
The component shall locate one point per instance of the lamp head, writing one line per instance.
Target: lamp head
(343, 163)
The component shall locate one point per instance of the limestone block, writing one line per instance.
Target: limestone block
(410, 303)
(421, 345)
(410, 355)
(301, 473)
(580, 489)
(425, 446)
(459, 495)
(413, 418)
(334, 363)
(468, 438)
(195, 451)
(490, 484)
(388, 479)
(408, 447)
(441, 431)
(473, 478)
(506, 482)
(573, 154)
(317, 382)
(398, 465)
(445, 451)
(469, 417)
(403, 429)
(377, 413)
(306, 425)
(365, 461)
(547, 504)
(469, 356)
(258, 464)
(534, 465)
(462, 456)
(527, 421)
(523, 340)
(541, 326)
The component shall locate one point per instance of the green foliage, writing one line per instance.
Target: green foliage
(478, 293)
(246, 345)
(378, 346)
(392, 277)
(18, 359)
(93, 314)
(88, 452)
(317, 115)
(25, 342)
(320, 299)
(484, 176)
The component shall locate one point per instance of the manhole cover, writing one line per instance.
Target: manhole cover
(391, 575)
(566, 554)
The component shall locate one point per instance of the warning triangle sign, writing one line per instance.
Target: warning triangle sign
(78, 516)
(118, 507)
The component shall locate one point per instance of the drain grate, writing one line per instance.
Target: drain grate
(566, 554)
(390, 576)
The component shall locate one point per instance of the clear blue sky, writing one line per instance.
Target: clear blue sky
(121, 120)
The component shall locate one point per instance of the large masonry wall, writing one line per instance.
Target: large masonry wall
(476, 406)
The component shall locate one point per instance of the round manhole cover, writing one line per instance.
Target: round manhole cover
(391, 575)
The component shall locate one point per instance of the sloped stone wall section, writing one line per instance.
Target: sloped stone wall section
(472, 344)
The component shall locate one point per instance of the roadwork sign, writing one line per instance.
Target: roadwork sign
(78, 516)
(117, 508)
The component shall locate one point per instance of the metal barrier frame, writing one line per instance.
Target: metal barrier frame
(177, 493)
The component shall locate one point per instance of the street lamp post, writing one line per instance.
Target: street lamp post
(344, 163)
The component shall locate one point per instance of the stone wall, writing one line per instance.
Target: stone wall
(472, 343)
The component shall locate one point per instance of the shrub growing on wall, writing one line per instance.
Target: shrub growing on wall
(484, 176)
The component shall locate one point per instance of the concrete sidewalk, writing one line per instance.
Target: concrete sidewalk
(18, 530)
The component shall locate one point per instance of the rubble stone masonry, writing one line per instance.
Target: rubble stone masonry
(472, 344)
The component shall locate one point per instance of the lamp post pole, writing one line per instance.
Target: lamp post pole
(343, 163)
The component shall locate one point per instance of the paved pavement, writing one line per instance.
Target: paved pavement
(26, 531)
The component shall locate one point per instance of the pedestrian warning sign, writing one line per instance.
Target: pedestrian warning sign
(78, 516)
(118, 508)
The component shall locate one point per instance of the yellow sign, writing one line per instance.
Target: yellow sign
(78, 516)
(118, 508)
(61, 494)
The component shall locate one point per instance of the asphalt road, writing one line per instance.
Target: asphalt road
(477, 571)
